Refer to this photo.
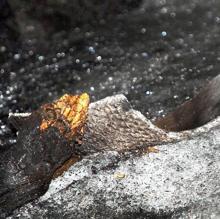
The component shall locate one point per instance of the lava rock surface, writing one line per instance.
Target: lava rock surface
(157, 55)
(181, 180)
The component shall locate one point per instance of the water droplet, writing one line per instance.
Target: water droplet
(163, 33)
(173, 14)
(164, 10)
(17, 56)
(30, 52)
(144, 54)
(217, 19)
(12, 75)
(99, 58)
(143, 30)
(54, 59)
(41, 58)
(91, 50)
(148, 92)
(110, 78)
(2, 48)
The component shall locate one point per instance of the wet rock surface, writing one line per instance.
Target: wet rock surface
(182, 179)
(158, 55)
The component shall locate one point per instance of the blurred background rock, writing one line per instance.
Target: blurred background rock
(157, 53)
(42, 18)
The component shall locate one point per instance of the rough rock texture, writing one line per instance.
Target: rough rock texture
(158, 56)
(113, 125)
(181, 181)
(196, 112)
(46, 140)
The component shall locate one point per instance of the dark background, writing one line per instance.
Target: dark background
(156, 52)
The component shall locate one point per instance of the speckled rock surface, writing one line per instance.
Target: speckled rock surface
(181, 181)
(158, 56)
(112, 124)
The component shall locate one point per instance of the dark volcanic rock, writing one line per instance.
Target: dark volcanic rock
(46, 140)
(158, 56)
(182, 180)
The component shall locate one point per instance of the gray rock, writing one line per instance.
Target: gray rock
(181, 181)
(113, 125)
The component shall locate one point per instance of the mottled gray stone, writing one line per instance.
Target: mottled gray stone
(181, 181)
(113, 125)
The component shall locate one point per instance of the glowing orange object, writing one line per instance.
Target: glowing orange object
(68, 114)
